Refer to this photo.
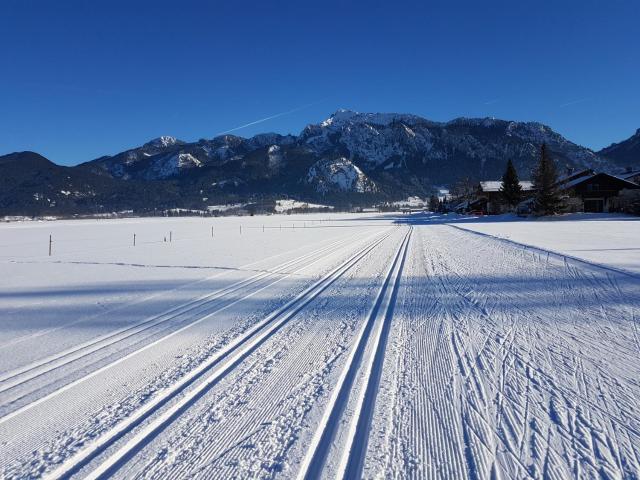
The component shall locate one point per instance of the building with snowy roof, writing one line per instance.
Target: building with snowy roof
(631, 175)
(595, 192)
(489, 198)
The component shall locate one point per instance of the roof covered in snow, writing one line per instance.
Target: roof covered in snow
(576, 181)
(580, 180)
(569, 177)
(494, 185)
(628, 175)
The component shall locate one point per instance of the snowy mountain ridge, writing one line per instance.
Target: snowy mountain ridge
(389, 140)
(163, 141)
(347, 157)
(386, 141)
(343, 116)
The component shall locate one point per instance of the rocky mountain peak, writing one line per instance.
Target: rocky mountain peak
(163, 141)
(343, 117)
(349, 154)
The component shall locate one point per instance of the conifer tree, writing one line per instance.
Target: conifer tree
(547, 198)
(434, 203)
(510, 188)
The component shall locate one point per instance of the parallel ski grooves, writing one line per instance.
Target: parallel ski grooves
(61, 359)
(321, 443)
(231, 355)
(92, 374)
(359, 434)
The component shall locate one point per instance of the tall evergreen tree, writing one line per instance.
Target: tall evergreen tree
(434, 203)
(547, 199)
(510, 188)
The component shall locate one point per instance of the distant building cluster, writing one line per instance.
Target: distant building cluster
(578, 190)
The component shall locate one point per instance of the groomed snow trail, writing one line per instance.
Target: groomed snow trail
(394, 347)
(508, 363)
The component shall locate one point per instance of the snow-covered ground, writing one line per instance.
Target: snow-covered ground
(612, 240)
(288, 205)
(320, 345)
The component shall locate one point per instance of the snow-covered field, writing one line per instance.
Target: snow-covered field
(324, 345)
(604, 239)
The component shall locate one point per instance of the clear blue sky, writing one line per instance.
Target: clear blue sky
(81, 79)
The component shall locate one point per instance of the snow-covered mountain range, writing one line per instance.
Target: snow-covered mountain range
(348, 157)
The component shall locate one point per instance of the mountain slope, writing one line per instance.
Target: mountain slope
(350, 157)
(404, 152)
(167, 157)
(625, 153)
(30, 184)
(437, 153)
(339, 175)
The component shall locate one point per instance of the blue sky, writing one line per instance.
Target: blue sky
(82, 79)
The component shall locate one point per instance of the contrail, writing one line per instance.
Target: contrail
(574, 102)
(282, 114)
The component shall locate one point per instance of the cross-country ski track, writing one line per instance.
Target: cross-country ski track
(364, 347)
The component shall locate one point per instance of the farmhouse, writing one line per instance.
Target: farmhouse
(581, 191)
(594, 192)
